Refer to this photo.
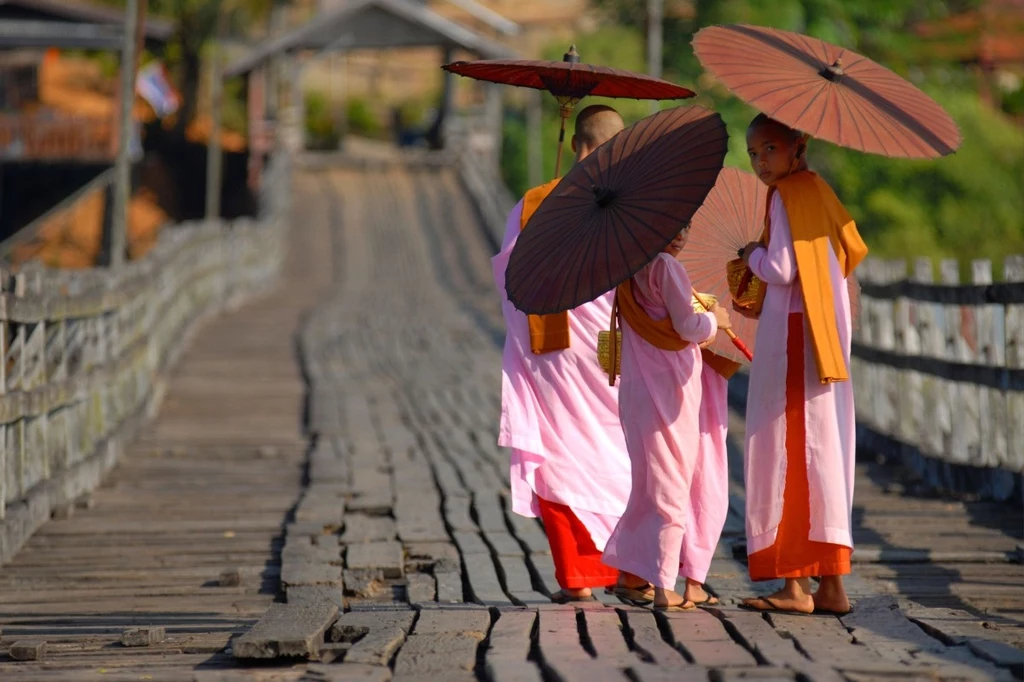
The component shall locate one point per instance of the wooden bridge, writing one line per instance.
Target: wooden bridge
(267, 452)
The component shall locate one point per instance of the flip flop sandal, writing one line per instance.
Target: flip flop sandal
(681, 606)
(773, 608)
(636, 595)
(710, 601)
(561, 597)
(829, 612)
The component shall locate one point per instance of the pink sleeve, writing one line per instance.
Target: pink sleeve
(677, 293)
(777, 263)
(500, 261)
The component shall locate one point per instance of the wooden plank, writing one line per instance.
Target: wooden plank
(363, 528)
(375, 636)
(605, 633)
(509, 646)
(287, 630)
(647, 639)
(385, 556)
(706, 640)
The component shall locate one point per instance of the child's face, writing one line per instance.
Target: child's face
(773, 152)
(675, 247)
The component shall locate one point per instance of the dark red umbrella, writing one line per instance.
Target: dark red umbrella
(569, 81)
(616, 210)
(826, 91)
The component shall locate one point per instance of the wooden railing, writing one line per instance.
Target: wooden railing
(938, 371)
(475, 140)
(85, 353)
(56, 137)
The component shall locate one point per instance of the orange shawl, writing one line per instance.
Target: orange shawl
(817, 221)
(659, 333)
(547, 332)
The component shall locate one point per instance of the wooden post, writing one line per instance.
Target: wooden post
(1013, 271)
(956, 351)
(123, 174)
(214, 157)
(931, 344)
(887, 396)
(655, 15)
(990, 352)
(908, 382)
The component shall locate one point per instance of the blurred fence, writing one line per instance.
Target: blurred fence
(85, 352)
(938, 371)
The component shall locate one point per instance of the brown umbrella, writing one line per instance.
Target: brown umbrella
(616, 210)
(569, 81)
(826, 91)
(731, 217)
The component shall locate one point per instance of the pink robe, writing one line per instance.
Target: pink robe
(709, 489)
(560, 416)
(828, 408)
(659, 405)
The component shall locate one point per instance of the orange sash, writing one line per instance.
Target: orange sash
(818, 220)
(547, 332)
(659, 333)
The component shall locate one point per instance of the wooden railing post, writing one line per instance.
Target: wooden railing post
(1013, 271)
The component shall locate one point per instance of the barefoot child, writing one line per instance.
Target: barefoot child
(659, 405)
(800, 421)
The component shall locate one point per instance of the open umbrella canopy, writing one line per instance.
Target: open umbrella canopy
(731, 217)
(616, 210)
(569, 78)
(827, 91)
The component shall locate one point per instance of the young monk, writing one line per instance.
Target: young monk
(559, 415)
(800, 458)
(659, 405)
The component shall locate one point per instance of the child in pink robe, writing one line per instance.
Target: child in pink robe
(659, 406)
(800, 449)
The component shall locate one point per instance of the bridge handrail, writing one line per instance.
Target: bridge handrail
(85, 353)
(938, 370)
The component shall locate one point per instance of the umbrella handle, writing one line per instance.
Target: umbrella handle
(736, 341)
(561, 143)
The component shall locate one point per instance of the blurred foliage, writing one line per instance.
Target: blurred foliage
(361, 119)
(321, 129)
(968, 205)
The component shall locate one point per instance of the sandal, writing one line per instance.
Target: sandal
(710, 601)
(638, 596)
(772, 607)
(561, 597)
(685, 605)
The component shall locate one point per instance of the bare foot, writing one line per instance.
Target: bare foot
(576, 594)
(831, 596)
(671, 600)
(696, 593)
(795, 596)
(631, 581)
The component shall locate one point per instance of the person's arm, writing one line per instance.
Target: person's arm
(677, 292)
(776, 264)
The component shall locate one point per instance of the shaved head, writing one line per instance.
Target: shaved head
(595, 125)
(762, 121)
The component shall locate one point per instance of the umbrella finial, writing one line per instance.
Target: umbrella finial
(572, 56)
(602, 195)
(835, 72)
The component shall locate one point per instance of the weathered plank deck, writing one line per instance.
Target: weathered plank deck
(398, 515)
